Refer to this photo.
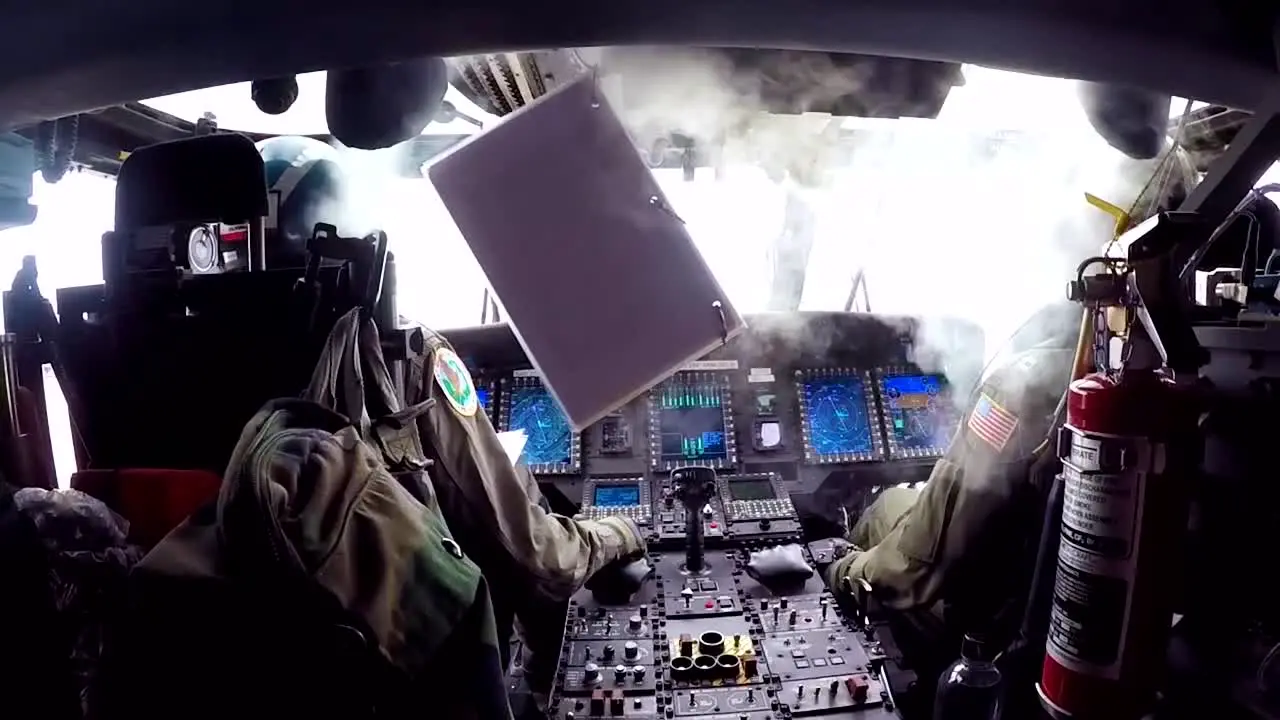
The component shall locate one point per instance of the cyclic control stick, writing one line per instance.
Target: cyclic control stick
(693, 486)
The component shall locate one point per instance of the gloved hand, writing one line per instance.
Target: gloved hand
(631, 542)
(779, 566)
(829, 550)
(837, 570)
(616, 582)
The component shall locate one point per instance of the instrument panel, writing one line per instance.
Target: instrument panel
(831, 403)
(843, 416)
(799, 417)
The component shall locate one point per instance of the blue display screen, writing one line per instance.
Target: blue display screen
(616, 495)
(836, 413)
(482, 394)
(917, 411)
(549, 439)
(691, 423)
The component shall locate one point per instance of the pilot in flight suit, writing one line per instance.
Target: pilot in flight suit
(908, 542)
(533, 560)
(959, 542)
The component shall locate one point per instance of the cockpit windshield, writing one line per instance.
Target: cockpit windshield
(956, 215)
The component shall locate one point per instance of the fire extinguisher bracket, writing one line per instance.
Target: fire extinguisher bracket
(1101, 454)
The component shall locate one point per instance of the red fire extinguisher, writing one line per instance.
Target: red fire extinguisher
(1127, 463)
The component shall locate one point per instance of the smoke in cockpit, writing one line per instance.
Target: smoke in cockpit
(984, 220)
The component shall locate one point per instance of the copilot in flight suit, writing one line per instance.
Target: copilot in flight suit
(952, 539)
(533, 560)
(957, 542)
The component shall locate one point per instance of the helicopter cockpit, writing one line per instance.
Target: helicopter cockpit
(778, 300)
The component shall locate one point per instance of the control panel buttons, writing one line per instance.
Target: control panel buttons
(760, 509)
(639, 514)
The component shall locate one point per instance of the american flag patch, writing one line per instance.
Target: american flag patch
(992, 423)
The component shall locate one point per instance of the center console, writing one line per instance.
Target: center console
(716, 630)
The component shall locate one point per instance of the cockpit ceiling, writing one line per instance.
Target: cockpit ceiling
(62, 57)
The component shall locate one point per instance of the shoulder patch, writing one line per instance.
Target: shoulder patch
(454, 379)
(992, 423)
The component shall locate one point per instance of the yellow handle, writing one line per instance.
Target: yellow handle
(1121, 216)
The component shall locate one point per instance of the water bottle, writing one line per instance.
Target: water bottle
(970, 689)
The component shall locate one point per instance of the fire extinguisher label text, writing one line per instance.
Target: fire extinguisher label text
(1099, 513)
(1101, 518)
(1088, 614)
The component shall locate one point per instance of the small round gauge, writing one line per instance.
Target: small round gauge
(202, 249)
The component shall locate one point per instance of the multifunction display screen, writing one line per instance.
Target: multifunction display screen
(919, 416)
(616, 495)
(837, 417)
(551, 446)
(691, 423)
(839, 420)
(751, 489)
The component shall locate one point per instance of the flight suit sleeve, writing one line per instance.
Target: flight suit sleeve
(968, 486)
(558, 553)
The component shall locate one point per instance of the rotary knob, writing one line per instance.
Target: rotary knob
(631, 650)
(590, 674)
(634, 623)
(638, 673)
(620, 673)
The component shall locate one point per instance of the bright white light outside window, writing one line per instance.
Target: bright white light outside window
(935, 229)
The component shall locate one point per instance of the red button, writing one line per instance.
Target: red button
(712, 526)
(711, 603)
